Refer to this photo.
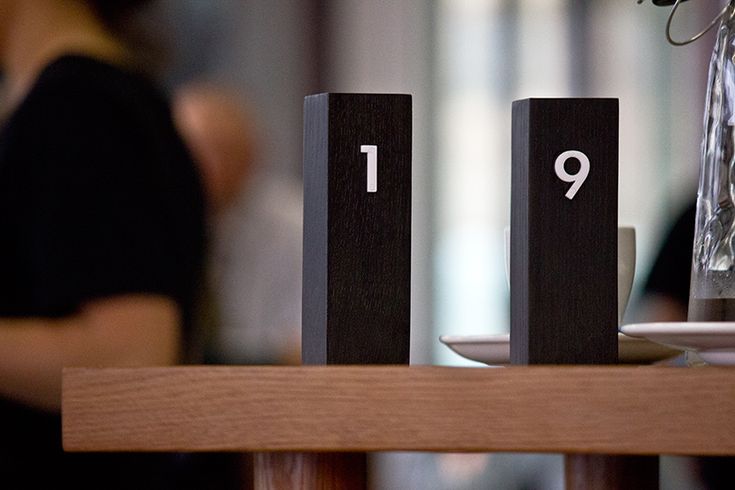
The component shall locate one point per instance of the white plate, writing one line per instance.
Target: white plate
(495, 349)
(714, 342)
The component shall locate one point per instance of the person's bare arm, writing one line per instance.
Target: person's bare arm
(657, 307)
(134, 330)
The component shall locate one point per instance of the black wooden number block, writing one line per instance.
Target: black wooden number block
(357, 229)
(564, 202)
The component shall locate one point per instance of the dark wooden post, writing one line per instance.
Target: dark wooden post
(357, 258)
(564, 209)
(357, 229)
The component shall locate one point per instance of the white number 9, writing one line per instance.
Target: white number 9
(578, 178)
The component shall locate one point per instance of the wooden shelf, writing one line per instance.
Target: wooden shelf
(581, 409)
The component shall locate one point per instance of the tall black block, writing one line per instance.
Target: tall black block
(564, 204)
(357, 229)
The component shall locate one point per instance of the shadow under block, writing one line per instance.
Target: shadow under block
(564, 205)
(357, 229)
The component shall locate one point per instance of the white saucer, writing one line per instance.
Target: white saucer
(714, 342)
(495, 349)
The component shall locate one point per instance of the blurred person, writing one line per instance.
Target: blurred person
(254, 266)
(666, 291)
(101, 212)
(220, 132)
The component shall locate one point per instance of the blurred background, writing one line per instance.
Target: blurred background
(464, 62)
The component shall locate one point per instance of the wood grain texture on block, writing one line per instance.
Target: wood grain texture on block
(564, 205)
(357, 229)
(576, 409)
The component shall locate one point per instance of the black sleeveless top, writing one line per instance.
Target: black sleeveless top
(98, 197)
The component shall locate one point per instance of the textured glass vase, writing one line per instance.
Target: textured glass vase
(712, 291)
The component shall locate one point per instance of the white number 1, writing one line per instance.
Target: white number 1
(372, 166)
(578, 178)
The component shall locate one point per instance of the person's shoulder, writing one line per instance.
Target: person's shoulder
(77, 86)
(93, 117)
(74, 72)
